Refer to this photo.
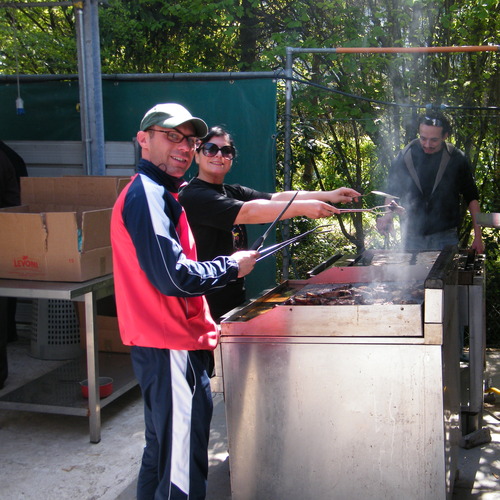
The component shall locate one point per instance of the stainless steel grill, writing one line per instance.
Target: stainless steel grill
(347, 401)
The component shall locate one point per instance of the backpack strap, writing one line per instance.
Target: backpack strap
(408, 160)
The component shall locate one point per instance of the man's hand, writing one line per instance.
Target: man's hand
(478, 244)
(246, 261)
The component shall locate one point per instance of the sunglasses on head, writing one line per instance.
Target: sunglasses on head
(210, 149)
(434, 122)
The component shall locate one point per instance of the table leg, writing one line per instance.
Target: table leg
(92, 368)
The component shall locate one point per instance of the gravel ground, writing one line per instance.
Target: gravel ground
(50, 456)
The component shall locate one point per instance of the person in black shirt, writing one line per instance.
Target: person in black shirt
(217, 212)
(16, 160)
(431, 177)
(9, 197)
(20, 171)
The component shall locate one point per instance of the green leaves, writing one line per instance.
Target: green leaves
(344, 133)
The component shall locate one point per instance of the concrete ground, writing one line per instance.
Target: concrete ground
(50, 456)
(479, 467)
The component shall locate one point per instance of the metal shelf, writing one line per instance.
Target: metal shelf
(89, 292)
(59, 391)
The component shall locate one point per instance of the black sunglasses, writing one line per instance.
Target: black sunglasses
(210, 149)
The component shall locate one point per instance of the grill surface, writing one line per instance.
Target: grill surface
(398, 311)
(359, 294)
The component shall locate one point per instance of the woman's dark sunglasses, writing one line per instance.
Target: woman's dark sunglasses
(210, 149)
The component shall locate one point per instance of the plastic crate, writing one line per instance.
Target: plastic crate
(55, 330)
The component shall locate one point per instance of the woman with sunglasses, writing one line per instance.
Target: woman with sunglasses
(217, 211)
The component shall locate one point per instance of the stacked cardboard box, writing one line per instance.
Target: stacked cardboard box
(109, 339)
(61, 230)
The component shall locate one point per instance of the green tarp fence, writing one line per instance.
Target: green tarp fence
(247, 108)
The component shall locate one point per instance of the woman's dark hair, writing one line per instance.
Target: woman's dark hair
(435, 119)
(216, 131)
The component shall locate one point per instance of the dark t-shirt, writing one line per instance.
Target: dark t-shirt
(9, 186)
(16, 161)
(211, 210)
(432, 209)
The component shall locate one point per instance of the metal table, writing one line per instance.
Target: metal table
(89, 292)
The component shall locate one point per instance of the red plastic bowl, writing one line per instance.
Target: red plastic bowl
(105, 387)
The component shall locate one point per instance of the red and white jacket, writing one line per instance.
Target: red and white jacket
(159, 285)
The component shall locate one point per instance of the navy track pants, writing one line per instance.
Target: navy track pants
(177, 412)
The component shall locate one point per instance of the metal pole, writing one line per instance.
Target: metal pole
(288, 118)
(287, 150)
(82, 86)
(89, 74)
(94, 89)
(411, 50)
(23, 5)
(154, 77)
(397, 50)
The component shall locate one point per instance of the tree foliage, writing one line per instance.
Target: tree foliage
(351, 112)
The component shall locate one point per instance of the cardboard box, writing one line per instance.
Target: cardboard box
(108, 334)
(61, 230)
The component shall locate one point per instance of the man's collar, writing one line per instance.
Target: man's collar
(152, 171)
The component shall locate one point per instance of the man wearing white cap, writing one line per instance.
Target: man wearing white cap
(162, 314)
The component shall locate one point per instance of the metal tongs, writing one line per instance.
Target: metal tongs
(266, 252)
(381, 193)
(379, 209)
(257, 244)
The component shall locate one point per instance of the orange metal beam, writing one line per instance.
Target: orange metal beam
(466, 48)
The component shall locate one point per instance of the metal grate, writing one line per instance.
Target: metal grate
(55, 330)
